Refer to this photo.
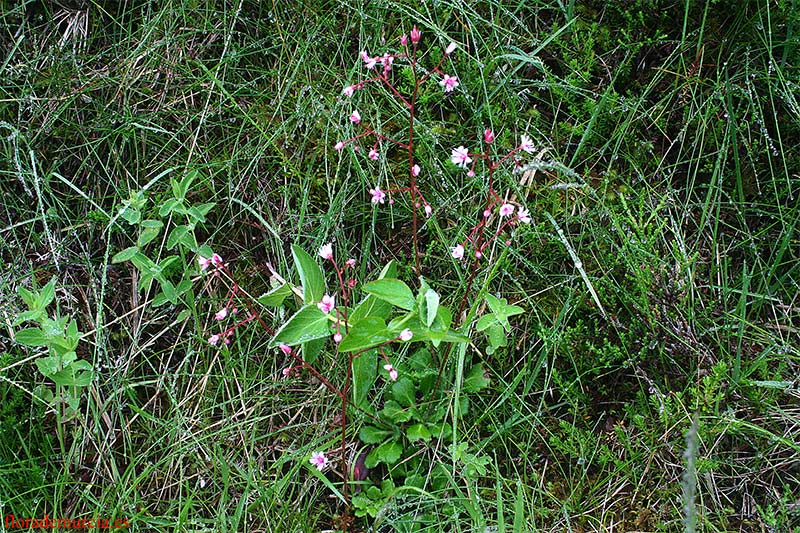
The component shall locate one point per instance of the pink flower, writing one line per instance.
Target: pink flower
(350, 263)
(373, 154)
(506, 210)
(221, 314)
(526, 144)
(404, 39)
(488, 136)
(348, 91)
(487, 213)
(355, 118)
(523, 215)
(327, 304)
(471, 174)
(286, 371)
(450, 49)
(203, 262)
(213, 340)
(369, 62)
(449, 83)
(415, 170)
(216, 260)
(326, 251)
(460, 157)
(406, 335)
(428, 210)
(392, 371)
(285, 348)
(457, 251)
(415, 34)
(319, 460)
(478, 254)
(337, 338)
(338, 146)
(378, 196)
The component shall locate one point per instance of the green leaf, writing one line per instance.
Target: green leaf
(388, 452)
(373, 435)
(418, 432)
(168, 207)
(33, 316)
(31, 337)
(364, 374)
(310, 350)
(48, 366)
(176, 235)
(205, 209)
(131, 215)
(474, 380)
(47, 294)
(393, 413)
(310, 276)
(125, 255)
(403, 392)
(29, 297)
(393, 291)
(367, 333)
(276, 296)
(371, 305)
(431, 307)
(169, 291)
(151, 230)
(76, 375)
(305, 325)
(486, 321)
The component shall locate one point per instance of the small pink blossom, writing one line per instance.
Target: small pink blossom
(350, 263)
(404, 39)
(285, 348)
(488, 136)
(326, 251)
(478, 254)
(406, 335)
(460, 157)
(457, 251)
(506, 210)
(221, 314)
(319, 460)
(203, 262)
(373, 154)
(487, 213)
(369, 62)
(355, 117)
(337, 338)
(338, 146)
(526, 144)
(523, 215)
(392, 371)
(348, 91)
(416, 35)
(213, 340)
(428, 210)
(415, 170)
(387, 61)
(450, 49)
(216, 260)
(327, 304)
(471, 174)
(378, 196)
(449, 83)
(286, 371)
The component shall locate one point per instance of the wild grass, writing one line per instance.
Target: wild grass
(659, 277)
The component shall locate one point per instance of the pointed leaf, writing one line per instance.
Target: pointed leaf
(393, 291)
(367, 333)
(310, 276)
(364, 374)
(31, 337)
(276, 296)
(307, 324)
(125, 255)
